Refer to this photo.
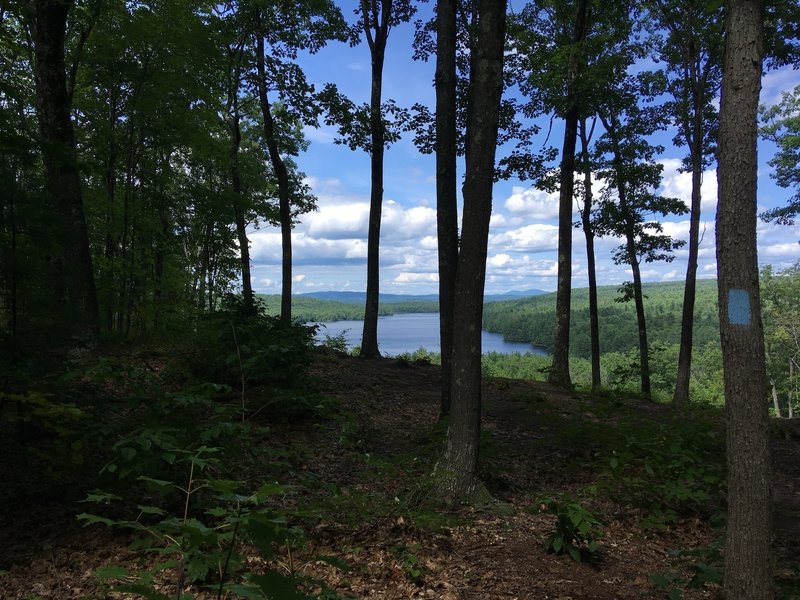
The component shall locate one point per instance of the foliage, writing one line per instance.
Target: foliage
(318, 310)
(781, 315)
(337, 342)
(205, 549)
(782, 126)
(668, 471)
(705, 566)
(531, 319)
(235, 347)
(577, 530)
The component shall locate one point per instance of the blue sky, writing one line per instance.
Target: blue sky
(330, 244)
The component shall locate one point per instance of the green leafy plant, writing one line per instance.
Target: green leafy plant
(409, 561)
(577, 530)
(668, 472)
(205, 548)
(337, 342)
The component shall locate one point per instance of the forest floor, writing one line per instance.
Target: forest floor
(362, 471)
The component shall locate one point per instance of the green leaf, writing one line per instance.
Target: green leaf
(197, 569)
(277, 587)
(159, 483)
(335, 562)
(128, 453)
(151, 510)
(574, 553)
(264, 535)
(109, 573)
(101, 496)
(92, 519)
(245, 591)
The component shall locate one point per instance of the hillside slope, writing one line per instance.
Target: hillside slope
(533, 319)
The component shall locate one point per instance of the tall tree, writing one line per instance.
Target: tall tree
(748, 569)
(458, 468)
(559, 372)
(282, 31)
(446, 182)
(235, 64)
(781, 313)
(588, 226)
(782, 127)
(690, 46)
(628, 204)
(377, 18)
(282, 176)
(74, 277)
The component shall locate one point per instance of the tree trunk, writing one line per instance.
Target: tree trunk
(377, 33)
(748, 564)
(74, 279)
(612, 126)
(588, 232)
(681, 396)
(446, 193)
(559, 372)
(459, 466)
(282, 175)
(238, 209)
(775, 402)
(638, 298)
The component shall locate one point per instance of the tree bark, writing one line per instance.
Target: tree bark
(74, 277)
(282, 175)
(588, 232)
(696, 143)
(377, 32)
(559, 372)
(459, 466)
(234, 119)
(748, 564)
(446, 192)
(641, 322)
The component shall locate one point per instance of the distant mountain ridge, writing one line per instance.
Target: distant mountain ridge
(360, 297)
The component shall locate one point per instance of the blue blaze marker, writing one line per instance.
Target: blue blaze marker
(739, 307)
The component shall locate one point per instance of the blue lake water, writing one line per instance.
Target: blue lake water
(402, 333)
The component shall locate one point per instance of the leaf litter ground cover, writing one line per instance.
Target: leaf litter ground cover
(357, 484)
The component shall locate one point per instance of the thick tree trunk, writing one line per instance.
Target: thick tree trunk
(74, 277)
(681, 396)
(559, 372)
(282, 175)
(588, 232)
(446, 192)
(458, 477)
(748, 564)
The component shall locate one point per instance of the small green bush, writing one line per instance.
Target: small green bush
(577, 530)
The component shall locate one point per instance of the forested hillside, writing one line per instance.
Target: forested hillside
(307, 308)
(533, 319)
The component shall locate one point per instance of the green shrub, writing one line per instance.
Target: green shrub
(240, 348)
(577, 530)
(669, 471)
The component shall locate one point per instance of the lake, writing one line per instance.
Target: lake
(398, 334)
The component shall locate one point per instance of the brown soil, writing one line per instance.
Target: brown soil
(378, 525)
